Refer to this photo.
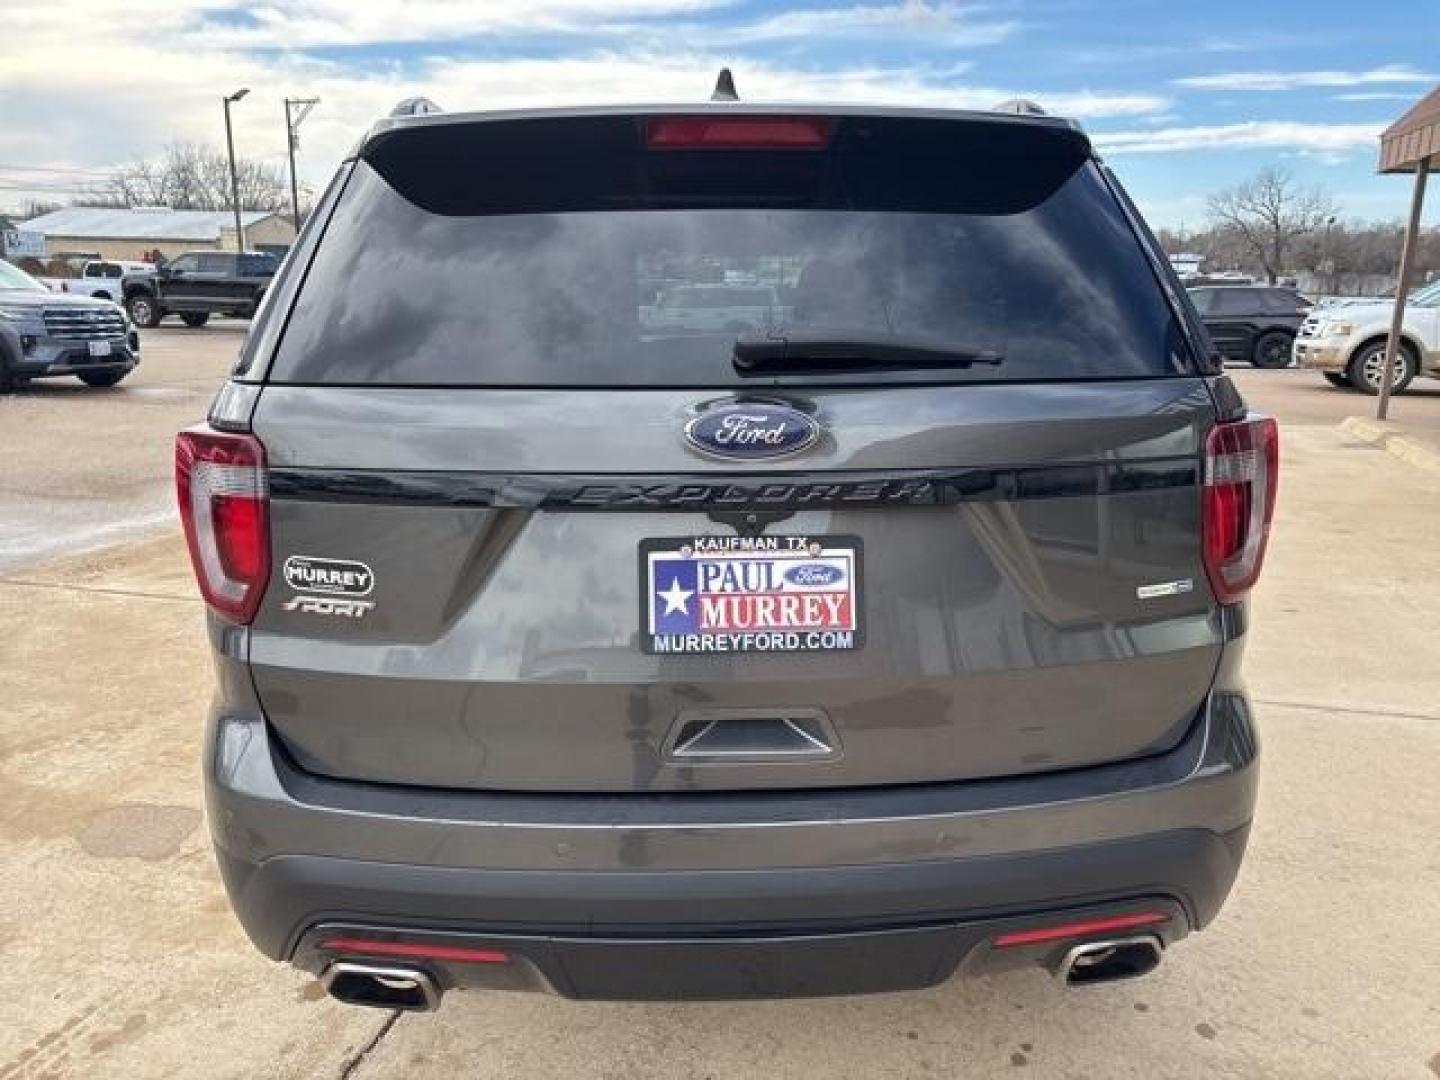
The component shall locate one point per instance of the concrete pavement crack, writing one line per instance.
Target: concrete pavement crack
(132, 593)
(1354, 710)
(358, 1058)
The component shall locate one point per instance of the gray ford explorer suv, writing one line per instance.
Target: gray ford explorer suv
(563, 649)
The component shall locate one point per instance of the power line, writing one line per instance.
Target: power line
(49, 189)
(56, 169)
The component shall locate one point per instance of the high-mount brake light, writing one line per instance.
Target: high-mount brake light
(1241, 473)
(737, 133)
(225, 509)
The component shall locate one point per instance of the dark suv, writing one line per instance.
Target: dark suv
(563, 648)
(1252, 322)
(199, 284)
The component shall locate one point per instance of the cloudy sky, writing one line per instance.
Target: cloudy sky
(1183, 96)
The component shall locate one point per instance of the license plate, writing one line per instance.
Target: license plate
(736, 594)
(99, 348)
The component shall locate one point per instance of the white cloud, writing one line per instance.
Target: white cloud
(103, 115)
(1376, 95)
(1319, 139)
(1292, 80)
(311, 23)
(940, 24)
(140, 76)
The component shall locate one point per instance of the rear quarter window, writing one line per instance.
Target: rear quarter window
(258, 265)
(589, 261)
(1281, 302)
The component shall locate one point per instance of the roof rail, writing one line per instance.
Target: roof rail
(1020, 107)
(415, 106)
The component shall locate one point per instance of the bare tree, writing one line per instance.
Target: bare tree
(191, 176)
(1268, 213)
(33, 208)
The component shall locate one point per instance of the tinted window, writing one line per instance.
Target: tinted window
(258, 265)
(1203, 299)
(656, 262)
(1281, 302)
(186, 263)
(102, 270)
(1232, 302)
(216, 264)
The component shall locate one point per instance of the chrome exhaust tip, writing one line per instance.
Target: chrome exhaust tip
(381, 987)
(1095, 962)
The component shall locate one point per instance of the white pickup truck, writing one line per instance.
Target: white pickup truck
(1346, 342)
(101, 278)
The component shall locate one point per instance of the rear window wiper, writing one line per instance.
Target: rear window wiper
(801, 352)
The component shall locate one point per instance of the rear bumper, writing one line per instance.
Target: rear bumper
(716, 895)
(741, 934)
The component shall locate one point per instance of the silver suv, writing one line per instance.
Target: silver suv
(563, 649)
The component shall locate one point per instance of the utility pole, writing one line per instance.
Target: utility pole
(1327, 257)
(234, 178)
(302, 107)
(1402, 288)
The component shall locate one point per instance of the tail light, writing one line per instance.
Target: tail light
(1241, 471)
(225, 508)
(738, 133)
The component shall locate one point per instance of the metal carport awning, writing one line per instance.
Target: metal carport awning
(1410, 145)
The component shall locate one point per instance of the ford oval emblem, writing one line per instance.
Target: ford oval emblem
(814, 575)
(752, 431)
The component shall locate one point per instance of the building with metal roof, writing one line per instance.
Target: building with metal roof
(129, 234)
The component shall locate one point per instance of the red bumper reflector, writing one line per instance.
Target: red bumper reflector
(417, 950)
(737, 133)
(1082, 928)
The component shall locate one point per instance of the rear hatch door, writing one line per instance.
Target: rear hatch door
(534, 530)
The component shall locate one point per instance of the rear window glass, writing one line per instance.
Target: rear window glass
(579, 258)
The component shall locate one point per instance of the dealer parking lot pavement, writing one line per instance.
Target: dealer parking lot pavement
(85, 467)
(122, 958)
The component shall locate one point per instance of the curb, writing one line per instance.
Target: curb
(1394, 441)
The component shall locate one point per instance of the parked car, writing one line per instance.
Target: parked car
(103, 278)
(899, 640)
(1251, 322)
(1346, 343)
(199, 284)
(46, 335)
